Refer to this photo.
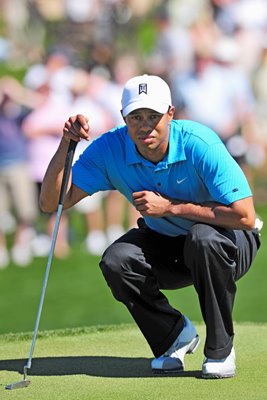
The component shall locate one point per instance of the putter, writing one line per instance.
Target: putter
(68, 163)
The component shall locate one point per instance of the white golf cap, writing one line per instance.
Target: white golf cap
(146, 91)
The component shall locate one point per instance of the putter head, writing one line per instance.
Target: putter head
(18, 385)
(24, 382)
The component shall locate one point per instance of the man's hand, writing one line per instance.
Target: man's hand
(76, 128)
(150, 204)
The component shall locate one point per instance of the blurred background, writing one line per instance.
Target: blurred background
(63, 57)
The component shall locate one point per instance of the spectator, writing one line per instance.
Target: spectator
(17, 192)
(43, 127)
(219, 95)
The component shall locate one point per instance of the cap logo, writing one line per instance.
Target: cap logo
(143, 88)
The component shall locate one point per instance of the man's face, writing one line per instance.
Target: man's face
(149, 130)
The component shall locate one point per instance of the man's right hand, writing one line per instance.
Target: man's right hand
(76, 128)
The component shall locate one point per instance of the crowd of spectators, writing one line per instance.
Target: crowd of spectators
(213, 54)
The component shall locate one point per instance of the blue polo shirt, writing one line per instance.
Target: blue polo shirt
(197, 169)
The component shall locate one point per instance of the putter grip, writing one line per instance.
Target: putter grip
(67, 168)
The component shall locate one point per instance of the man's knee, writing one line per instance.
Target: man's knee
(116, 265)
(113, 258)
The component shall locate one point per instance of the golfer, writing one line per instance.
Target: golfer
(197, 223)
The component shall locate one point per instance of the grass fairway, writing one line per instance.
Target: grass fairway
(113, 362)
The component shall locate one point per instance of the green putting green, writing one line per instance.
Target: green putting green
(113, 362)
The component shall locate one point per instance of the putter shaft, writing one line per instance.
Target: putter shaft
(68, 163)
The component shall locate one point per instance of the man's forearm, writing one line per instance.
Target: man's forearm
(231, 217)
(51, 185)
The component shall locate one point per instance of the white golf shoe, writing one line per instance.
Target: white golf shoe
(173, 359)
(224, 368)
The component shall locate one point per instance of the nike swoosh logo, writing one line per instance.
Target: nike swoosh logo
(181, 180)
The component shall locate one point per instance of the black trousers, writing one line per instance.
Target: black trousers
(142, 262)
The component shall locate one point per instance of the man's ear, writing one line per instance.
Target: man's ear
(171, 112)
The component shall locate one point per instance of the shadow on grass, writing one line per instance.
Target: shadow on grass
(101, 366)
